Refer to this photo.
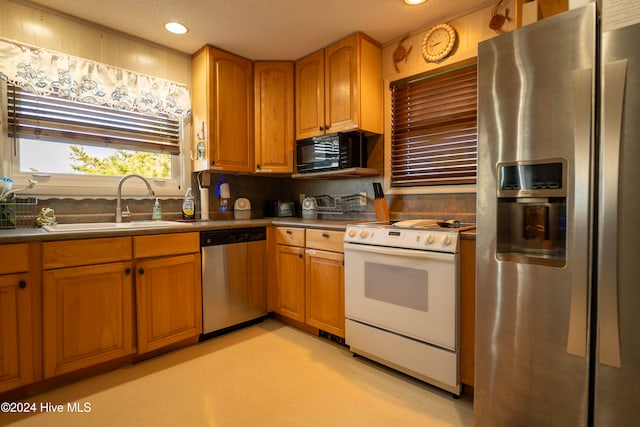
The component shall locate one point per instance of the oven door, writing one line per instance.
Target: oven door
(408, 292)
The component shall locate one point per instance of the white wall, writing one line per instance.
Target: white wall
(61, 33)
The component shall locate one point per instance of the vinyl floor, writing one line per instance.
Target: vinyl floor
(268, 374)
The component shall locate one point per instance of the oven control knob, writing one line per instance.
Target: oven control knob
(430, 239)
(364, 233)
(352, 233)
(446, 241)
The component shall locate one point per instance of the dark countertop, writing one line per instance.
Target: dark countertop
(38, 234)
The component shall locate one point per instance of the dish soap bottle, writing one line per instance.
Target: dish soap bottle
(188, 205)
(157, 211)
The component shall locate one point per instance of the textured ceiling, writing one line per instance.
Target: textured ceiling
(263, 29)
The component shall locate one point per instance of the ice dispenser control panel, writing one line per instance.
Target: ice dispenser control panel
(531, 220)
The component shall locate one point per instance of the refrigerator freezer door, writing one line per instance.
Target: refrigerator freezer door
(618, 342)
(534, 105)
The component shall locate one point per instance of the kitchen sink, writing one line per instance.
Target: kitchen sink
(98, 226)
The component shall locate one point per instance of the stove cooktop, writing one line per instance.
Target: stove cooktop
(420, 234)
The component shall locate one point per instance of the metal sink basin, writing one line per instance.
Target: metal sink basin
(98, 226)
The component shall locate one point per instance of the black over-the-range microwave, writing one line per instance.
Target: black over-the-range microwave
(334, 151)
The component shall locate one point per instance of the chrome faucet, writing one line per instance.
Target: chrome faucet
(119, 194)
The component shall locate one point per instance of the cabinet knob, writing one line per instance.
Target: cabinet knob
(127, 271)
(22, 284)
(321, 128)
(213, 162)
(258, 166)
(300, 255)
(141, 271)
(289, 232)
(325, 235)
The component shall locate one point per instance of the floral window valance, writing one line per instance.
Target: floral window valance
(46, 72)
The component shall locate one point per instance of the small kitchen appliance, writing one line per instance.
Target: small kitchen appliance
(340, 150)
(242, 209)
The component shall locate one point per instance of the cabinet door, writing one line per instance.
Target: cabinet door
(324, 287)
(310, 96)
(274, 133)
(169, 301)
(231, 117)
(87, 316)
(16, 349)
(341, 85)
(290, 272)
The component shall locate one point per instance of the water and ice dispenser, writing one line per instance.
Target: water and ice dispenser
(532, 208)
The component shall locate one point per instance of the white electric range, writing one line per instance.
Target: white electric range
(402, 297)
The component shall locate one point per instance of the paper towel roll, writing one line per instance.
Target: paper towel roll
(204, 203)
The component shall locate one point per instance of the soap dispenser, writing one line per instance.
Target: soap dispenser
(157, 211)
(189, 206)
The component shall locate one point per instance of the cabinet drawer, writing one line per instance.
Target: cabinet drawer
(165, 244)
(72, 253)
(14, 258)
(325, 240)
(290, 236)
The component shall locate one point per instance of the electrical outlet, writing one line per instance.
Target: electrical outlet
(363, 198)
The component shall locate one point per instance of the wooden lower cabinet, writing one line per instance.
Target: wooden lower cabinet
(87, 316)
(20, 333)
(290, 282)
(169, 305)
(16, 331)
(324, 290)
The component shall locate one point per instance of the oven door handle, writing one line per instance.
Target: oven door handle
(384, 250)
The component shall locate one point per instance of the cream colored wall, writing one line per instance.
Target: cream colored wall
(50, 30)
(472, 29)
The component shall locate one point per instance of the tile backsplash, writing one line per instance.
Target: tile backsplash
(259, 189)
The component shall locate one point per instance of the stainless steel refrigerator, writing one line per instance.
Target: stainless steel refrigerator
(558, 267)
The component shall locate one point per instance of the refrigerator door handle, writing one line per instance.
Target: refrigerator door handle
(614, 79)
(582, 94)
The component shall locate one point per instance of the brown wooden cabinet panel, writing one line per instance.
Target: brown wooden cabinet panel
(310, 96)
(87, 316)
(326, 240)
(340, 88)
(169, 301)
(165, 244)
(71, 253)
(324, 290)
(274, 110)
(290, 273)
(222, 100)
(14, 257)
(16, 331)
(290, 236)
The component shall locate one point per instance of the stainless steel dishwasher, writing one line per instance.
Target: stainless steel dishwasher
(234, 290)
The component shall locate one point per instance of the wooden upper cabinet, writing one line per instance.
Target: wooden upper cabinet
(222, 100)
(340, 88)
(310, 96)
(274, 128)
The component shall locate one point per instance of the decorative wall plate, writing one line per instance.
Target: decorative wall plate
(439, 42)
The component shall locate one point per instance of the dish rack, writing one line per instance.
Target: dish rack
(20, 212)
(339, 204)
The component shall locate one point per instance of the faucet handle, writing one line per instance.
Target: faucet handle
(127, 213)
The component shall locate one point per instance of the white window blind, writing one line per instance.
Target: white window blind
(62, 120)
(434, 136)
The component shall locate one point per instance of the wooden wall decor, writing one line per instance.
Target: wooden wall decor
(401, 53)
(497, 19)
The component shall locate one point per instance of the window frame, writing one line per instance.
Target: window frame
(92, 186)
(418, 189)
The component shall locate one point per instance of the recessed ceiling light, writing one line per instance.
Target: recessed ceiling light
(175, 27)
(414, 2)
